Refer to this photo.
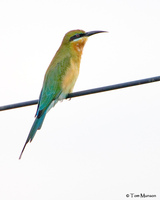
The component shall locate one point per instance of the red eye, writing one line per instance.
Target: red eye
(76, 36)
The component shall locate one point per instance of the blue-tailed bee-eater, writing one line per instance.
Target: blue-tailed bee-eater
(60, 76)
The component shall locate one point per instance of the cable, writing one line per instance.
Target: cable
(88, 92)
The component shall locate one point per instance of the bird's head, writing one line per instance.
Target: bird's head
(76, 39)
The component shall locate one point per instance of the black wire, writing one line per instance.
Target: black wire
(87, 92)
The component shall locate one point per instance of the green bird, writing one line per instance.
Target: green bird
(60, 76)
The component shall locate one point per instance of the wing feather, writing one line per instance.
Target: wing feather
(52, 85)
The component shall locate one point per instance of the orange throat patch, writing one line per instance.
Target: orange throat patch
(79, 44)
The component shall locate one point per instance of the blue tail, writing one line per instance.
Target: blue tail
(36, 125)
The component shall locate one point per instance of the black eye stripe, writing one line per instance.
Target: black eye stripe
(76, 36)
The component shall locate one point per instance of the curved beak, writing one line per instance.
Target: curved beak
(87, 34)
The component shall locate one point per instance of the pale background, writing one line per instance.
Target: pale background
(101, 146)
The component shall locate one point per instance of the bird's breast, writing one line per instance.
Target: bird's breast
(70, 76)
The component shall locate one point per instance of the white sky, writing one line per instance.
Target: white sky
(101, 146)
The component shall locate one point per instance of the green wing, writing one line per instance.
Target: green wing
(52, 88)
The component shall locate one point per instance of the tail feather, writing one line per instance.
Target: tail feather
(36, 125)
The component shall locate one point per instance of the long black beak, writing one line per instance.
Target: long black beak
(94, 32)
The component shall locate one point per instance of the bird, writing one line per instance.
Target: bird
(60, 76)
